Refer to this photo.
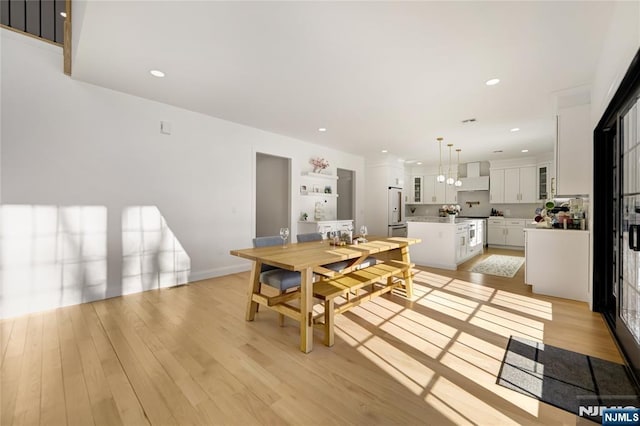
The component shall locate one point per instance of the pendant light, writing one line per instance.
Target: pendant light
(440, 177)
(450, 180)
(458, 182)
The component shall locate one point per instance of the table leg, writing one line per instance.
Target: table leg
(306, 310)
(254, 287)
(408, 280)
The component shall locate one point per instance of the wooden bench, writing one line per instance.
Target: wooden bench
(346, 285)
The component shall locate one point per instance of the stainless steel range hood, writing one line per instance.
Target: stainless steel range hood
(473, 181)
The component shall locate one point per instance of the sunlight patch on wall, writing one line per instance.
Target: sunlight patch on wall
(51, 256)
(152, 257)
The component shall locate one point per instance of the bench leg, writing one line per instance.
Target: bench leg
(329, 319)
(408, 279)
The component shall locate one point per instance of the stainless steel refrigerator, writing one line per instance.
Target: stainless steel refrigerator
(397, 227)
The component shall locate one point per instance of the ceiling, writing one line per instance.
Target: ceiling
(376, 75)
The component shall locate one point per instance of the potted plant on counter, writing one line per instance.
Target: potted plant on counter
(452, 210)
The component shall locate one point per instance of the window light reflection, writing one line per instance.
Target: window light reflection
(51, 256)
(152, 257)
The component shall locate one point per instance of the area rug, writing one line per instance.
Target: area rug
(502, 266)
(568, 380)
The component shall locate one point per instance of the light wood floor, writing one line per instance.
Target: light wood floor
(186, 356)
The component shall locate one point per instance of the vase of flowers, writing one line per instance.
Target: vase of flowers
(452, 211)
(319, 164)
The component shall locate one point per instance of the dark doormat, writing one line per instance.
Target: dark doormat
(575, 382)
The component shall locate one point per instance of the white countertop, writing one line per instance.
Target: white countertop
(325, 221)
(555, 229)
(436, 219)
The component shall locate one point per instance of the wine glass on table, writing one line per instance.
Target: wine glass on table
(363, 233)
(284, 234)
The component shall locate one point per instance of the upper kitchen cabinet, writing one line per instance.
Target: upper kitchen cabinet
(496, 186)
(520, 185)
(573, 149)
(438, 192)
(513, 182)
(543, 181)
(416, 190)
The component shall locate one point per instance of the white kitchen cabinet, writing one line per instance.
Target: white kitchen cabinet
(514, 235)
(430, 189)
(506, 232)
(519, 185)
(573, 151)
(496, 186)
(557, 263)
(495, 231)
(544, 176)
(462, 242)
(436, 192)
(417, 190)
(451, 195)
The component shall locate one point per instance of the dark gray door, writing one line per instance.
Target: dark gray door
(273, 194)
(346, 194)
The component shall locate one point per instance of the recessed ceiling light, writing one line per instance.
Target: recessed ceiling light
(525, 150)
(419, 163)
(469, 120)
(497, 151)
(492, 82)
(515, 129)
(63, 14)
(322, 129)
(384, 151)
(157, 73)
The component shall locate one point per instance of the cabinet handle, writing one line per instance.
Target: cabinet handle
(633, 238)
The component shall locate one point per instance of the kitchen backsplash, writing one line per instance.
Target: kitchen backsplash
(483, 209)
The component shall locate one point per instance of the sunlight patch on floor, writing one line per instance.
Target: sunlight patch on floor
(402, 367)
(468, 289)
(473, 407)
(524, 304)
(466, 356)
(431, 279)
(453, 306)
(483, 370)
(506, 324)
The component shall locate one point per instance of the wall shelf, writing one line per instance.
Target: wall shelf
(319, 175)
(318, 194)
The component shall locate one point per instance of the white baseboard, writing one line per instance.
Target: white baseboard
(218, 272)
(448, 266)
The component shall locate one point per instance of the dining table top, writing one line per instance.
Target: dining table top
(299, 256)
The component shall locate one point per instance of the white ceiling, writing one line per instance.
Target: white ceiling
(377, 75)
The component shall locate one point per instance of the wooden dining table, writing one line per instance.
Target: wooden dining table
(310, 257)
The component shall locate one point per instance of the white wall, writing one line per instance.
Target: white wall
(66, 142)
(619, 48)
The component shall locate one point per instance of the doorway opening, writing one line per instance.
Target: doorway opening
(346, 189)
(273, 194)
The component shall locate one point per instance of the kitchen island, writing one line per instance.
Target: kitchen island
(446, 244)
